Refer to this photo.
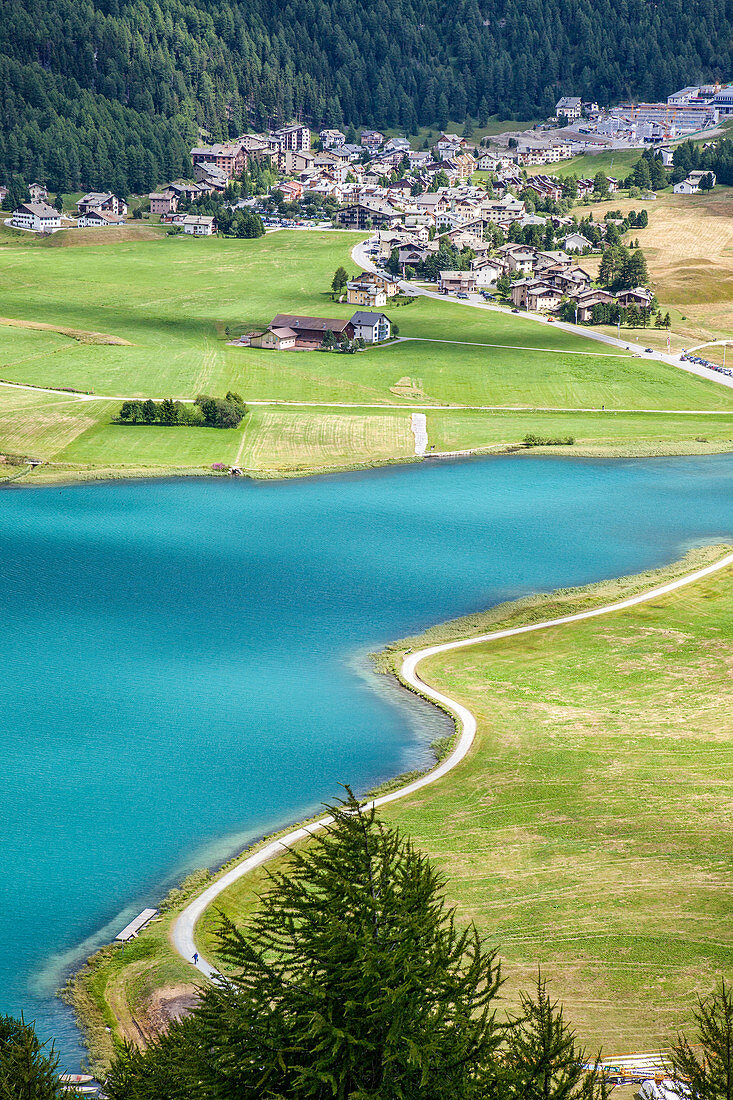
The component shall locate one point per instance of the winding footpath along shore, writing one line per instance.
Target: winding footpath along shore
(183, 932)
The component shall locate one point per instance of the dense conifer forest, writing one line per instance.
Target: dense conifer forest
(112, 93)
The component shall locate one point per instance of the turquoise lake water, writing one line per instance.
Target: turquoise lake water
(183, 663)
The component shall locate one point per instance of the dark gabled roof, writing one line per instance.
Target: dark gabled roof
(364, 317)
(309, 324)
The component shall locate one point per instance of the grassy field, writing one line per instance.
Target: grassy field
(614, 162)
(605, 433)
(588, 829)
(41, 425)
(151, 318)
(688, 244)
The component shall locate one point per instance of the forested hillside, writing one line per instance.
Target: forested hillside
(112, 93)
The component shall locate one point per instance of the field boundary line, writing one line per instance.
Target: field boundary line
(182, 933)
(509, 347)
(284, 403)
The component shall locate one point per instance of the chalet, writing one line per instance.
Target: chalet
(576, 242)
(411, 255)
(456, 282)
(535, 294)
(310, 331)
(38, 192)
(552, 259)
(359, 294)
(296, 160)
(367, 213)
(103, 201)
(38, 217)
(639, 297)
(390, 284)
(685, 187)
(487, 271)
(372, 328)
(546, 187)
(585, 300)
(521, 260)
(371, 139)
(230, 158)
(199, 225)
(543, 298)
(570, 106)
(292, 190)
(210, 176)
(163, 202)
(182, 189)
(331, 138)
(448, 144)
(3, 194)
(99, 219)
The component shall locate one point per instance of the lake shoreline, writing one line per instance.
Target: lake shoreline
(44, 476)
(98, 1010)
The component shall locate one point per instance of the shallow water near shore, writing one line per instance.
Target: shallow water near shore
(182, 663)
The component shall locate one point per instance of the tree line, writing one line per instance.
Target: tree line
(110, 94)
(206, 411)
(354, 982)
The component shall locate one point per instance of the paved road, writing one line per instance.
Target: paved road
(183, 933)
(359, 255)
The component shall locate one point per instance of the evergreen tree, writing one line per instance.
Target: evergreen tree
(339, 281)
(28, 1070)
(149, 412)
(600, 185)
(351, 981)
(704, 1068)
(544, 1061)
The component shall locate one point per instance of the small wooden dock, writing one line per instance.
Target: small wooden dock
(135, 927)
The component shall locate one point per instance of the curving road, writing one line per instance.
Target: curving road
(183, 932)
(360, 257)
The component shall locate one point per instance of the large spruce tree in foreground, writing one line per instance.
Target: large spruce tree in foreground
(705, 1069)
(28, 1067)
(351, 982)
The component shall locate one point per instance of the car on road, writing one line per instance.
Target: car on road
(550, 320)
(515, 311)
(461, 294)
(649, 351)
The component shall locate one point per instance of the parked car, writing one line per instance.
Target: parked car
(461, 294)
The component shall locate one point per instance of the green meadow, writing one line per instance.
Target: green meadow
(138, 317)
(586, 832)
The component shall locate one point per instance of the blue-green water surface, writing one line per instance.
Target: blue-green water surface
(182, 663)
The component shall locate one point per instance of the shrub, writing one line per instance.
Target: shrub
(531, 440)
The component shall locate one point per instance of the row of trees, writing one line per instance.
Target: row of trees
(613, 313)
(717, 158)
(206, 411)
(353, 982)
(332, 342)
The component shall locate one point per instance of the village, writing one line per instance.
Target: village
(471, 219)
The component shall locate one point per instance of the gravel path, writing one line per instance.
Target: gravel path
(183, 932)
